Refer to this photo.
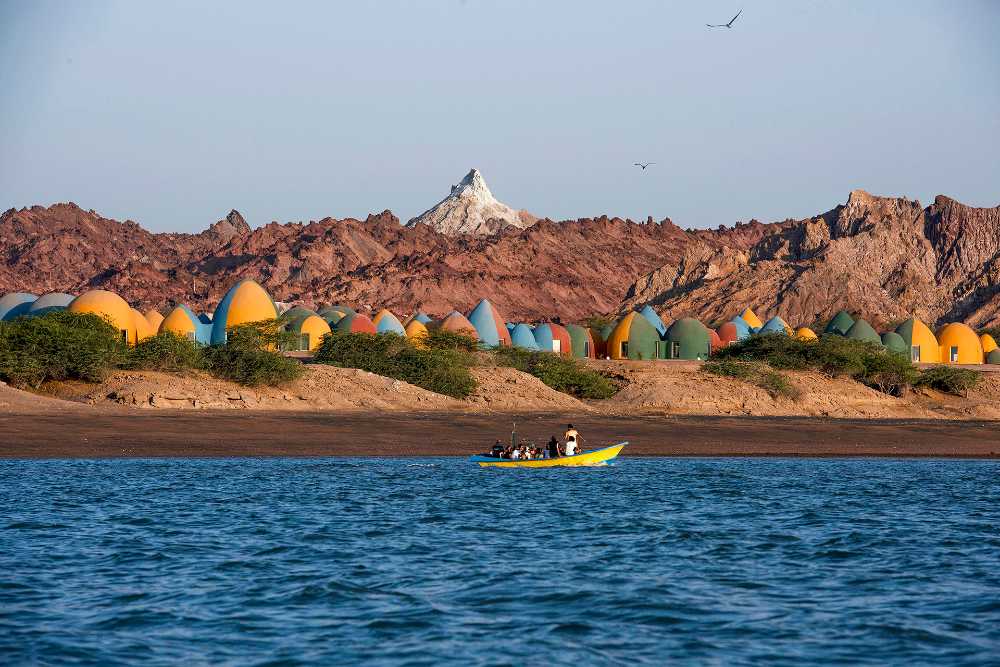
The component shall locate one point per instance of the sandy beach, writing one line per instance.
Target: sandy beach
(170, 433)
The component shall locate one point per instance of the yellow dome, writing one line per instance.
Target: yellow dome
(416, 332)
(111, 307)
(143, 329)
(988, 343)
(179, 321)
(315, 327)
(751, 318)
(154, 318)
(959, 344)
(244, 303)
(805, 333)
(921, 341)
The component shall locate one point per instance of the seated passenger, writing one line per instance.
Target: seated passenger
(553, 448)
(497, 449)
(515, 454)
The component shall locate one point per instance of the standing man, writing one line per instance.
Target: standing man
(572, 437)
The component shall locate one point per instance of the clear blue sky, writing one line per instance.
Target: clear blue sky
(172, 113)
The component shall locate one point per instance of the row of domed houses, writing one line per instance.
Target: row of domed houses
(638, 335)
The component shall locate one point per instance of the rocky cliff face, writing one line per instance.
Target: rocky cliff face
(470, 208)
(886, 258)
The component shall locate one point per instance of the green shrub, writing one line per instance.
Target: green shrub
(868, 363)
(957, 381)
(444, 369)
(166, 351)
(58, 345)
(560, 373)
(249, 355)
(441, 339)
(756, 373)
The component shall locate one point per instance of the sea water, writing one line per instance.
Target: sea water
(433, 561)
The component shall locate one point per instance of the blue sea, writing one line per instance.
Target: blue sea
(432, 561)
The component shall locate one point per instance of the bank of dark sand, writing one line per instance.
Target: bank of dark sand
(227, 434)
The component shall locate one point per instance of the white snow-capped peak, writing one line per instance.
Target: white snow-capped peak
(471, 208)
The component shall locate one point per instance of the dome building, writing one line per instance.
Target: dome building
(734, 330)
(993, 357)
(960, 345)
(154, 318)
(457, 322)
(633, 338)
(111, 307)
(893, 342)
(988, 343)
(522, 337)
(551, 337)
(750, 317)
(355, 323)
(50, 303)
(143, 329)
(386, 322)
(309, 332)
(840, 324)
(920, 341)
(861, 330)
(775, 325)
(182, 321)
(805, 333)
(489, 324)
(687, 338)
(581, 341)
(245, 302)
(421, 317)
(416, 331)
(15, 304)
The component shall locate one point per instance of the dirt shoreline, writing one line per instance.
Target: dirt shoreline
(184, 433)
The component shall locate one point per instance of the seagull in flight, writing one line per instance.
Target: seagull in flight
(726, 25)
(643, 165)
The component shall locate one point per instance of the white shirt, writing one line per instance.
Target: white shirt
(570, 447)
(516, 454)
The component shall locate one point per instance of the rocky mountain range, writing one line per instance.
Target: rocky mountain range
(881, 257)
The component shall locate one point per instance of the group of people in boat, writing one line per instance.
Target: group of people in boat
(528, 451)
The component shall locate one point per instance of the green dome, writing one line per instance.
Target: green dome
(895, 343)
(840, 324)
(861, 330)
(993, 357)
(687, 338)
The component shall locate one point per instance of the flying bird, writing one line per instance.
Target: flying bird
(643, 165)
(726, 25)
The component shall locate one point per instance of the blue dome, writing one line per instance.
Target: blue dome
(522, 336)
(742, 328)
(15, 304)
(48, 303)
(774, 325)
(422, 318)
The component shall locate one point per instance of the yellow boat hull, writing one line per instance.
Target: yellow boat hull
(595, 458)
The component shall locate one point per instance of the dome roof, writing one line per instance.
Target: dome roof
(421, 317)
(50, 302)
(961, 340)
(15, 304)
(355, 323)
(386, 322)
(415, 331)
(920, 340)
(521, 336)
(296, 313)
(245, 302)
(988, 343)
(183, 322)
(714, 341)
(313, 326)
(751, 319)
(993, 357)
(489, 324)
(633, 338)
(839, 324)
(692, 338)
(582, 341)
(861, 330)
(457, 322)
(155, 319)
(728, 333)
(805, 333)
(336, 308)
(109, 306)
(653, 318)
(895, 343)
(775, 325)
(551, 337)
(143, 329)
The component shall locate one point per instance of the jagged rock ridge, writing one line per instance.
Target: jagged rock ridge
(470, 208)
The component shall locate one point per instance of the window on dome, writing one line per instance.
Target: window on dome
(556, 345)
(954, 353)
(624, 349)
(915, 353)
(586, 348)
(675, 350)
(125, 336)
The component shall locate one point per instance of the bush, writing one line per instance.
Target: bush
(756, 373)
(957, 381)
(560, 373)
(868, 363)
(166, 351)
(58, 345)
(443, 369)
(249, 355)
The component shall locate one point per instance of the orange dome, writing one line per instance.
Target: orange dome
(111, 307)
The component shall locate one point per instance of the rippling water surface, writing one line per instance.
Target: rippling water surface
(431, 561)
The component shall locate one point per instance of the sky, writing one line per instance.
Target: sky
(171, 114)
